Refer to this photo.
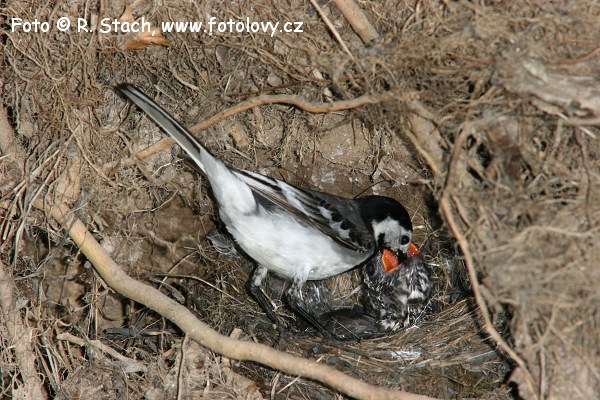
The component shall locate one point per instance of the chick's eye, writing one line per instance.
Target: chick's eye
(404, 240)
(370, 268)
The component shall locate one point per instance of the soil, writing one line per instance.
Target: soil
(480, 117)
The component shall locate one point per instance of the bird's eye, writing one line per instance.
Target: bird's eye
(370, 268)
(405, 240)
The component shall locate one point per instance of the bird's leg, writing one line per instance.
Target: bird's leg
(293, 297)
(254, 286)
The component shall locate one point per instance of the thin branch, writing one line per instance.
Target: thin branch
(292, 100)
(152, 298)
(331, 28)
(18, 337)
(126, 364)
(297, 101)
(357, 19)
(588, 176)
(423, 153)
(464, 246)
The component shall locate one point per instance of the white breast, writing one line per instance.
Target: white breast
(287, 248)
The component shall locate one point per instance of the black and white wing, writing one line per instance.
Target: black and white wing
(334, 216)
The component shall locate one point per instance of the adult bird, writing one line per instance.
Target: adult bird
(298, 234)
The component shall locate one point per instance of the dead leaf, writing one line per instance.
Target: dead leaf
(146, 38)
(127, 15)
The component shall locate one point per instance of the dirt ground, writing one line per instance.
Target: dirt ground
(481, 117)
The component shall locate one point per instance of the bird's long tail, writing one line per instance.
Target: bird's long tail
(229, 190)
(163, 119)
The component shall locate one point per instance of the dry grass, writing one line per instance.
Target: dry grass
(490, 108)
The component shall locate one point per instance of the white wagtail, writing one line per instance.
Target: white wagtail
(298, 234)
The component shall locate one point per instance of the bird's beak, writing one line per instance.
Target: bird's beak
(389, 260)
(412, 251)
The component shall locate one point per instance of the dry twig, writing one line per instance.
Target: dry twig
(152, 298)
(357, 20)
(331, 28)
(464, 245)
(19, 338)
(126, 364)
(293, 100)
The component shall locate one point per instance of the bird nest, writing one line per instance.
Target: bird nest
(480, 117)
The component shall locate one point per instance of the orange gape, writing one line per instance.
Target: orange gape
(390, 261)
